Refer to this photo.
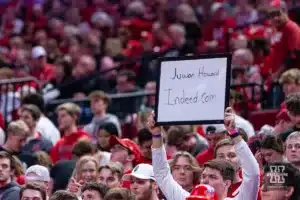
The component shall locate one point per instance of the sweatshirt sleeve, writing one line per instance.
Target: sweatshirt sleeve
(251, 174)
(164, 179)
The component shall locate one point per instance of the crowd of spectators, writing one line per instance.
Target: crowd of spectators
(90, 50)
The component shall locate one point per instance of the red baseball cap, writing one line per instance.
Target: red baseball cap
(203, 192)
(128, 144)
(277, 4)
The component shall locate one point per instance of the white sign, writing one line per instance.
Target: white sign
(193, 90)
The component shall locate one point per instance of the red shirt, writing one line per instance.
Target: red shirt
(45, 74)
(288, 42)
(205, 156)
(62, 150)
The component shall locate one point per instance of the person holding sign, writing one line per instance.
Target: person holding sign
(217, 173)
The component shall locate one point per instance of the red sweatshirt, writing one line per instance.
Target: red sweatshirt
(62, 150)
(285, 47)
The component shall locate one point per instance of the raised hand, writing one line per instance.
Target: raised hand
(229, 119)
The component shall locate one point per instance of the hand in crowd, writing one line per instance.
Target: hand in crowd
(74, 186)
(229, 119)
(151, 124)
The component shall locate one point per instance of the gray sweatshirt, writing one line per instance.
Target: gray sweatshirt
(93, 127)
(10, 192)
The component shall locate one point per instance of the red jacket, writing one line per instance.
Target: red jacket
(288, 42)
(205, 156)
(62, 150)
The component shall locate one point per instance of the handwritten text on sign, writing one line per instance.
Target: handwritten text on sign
(192, 90)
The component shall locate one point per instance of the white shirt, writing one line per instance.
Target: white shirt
(173, 191)
(47, 129)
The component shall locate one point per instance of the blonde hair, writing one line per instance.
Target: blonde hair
(192, 161)
(290, 76)
(293, 135)
(71, 108)
(43, 159)
(18, 127)
(6, 72)
(79, 164)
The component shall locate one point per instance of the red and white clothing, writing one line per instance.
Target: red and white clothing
(172, 190)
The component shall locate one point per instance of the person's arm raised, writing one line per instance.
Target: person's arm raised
(250, 168)
(162, 172)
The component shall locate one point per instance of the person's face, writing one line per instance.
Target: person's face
(91, 195)
(220, 14)
(182, 172)
(85, 65)
(122, 84)
(141, 188)
(28, 119)
(106, 177)
(119, 154)
(98, 105)
(214, 178)
(146, 149)
(29, 194)
(39, 62)
(295, 118)
(270, 155)
(17, 142)
(188, 143)
(277, 17)
(5, 170)
(290, 88)
(65, 120)
(103, 139)
(89, 172)
(293, 150)
(269, 192)
(228, 153)
(214, 138)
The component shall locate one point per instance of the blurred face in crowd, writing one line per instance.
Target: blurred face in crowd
(293, 150)
(227, 152)
(269, 191)
(120, 154)
(30, 194)
(98, 106)
(214, 178)
(278, 18)
(17, 141)
(151, 87)
(88, 172)
(5, 170)
(91, 195)
(146, 149)
(28, 119)
(188, 143)
(295, 118)
(214, 138)
(290, 88)
(123, 85)
(220, 14)
(65, 120)
(182, 172)
(103, 139)
(270, 155)
(39, 62)
(141, 188)
(108, 178)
